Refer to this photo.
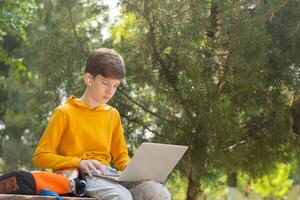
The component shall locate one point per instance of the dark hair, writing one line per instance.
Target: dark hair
(106, 62)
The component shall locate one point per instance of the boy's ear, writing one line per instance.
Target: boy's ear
(88, 79)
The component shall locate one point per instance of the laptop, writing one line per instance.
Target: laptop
(152, 161)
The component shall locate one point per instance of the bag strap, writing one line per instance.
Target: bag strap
(46, 192)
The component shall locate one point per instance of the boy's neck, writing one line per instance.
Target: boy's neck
(89, 100)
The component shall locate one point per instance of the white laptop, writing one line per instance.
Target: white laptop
(152, 161)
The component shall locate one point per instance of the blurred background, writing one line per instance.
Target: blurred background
(220, 76)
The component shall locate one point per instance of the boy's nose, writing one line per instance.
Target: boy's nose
(110, 90)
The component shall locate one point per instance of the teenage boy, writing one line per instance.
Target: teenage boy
(86, 133)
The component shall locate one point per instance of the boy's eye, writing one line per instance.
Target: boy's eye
(104, 83)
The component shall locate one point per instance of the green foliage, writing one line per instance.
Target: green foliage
(17, 124)
(216, 75)
(60, 42)
(274, 184)
(53, 40)
(210, 74)
(125, 29)
(177, 185)
(22, 122)
(15, 17)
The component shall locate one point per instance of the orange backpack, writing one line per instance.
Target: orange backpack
(32, 183)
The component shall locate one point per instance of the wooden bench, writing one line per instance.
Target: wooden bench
(37, 197)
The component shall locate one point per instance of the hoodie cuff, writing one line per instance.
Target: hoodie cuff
(75, 162)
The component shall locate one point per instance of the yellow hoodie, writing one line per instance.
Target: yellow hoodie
(77, 132)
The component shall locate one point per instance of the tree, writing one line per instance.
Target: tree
(274, 184)
(16, 125)
(54, 44)
(219, 76)
(209, 75)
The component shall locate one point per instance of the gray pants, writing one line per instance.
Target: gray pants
(103, 189)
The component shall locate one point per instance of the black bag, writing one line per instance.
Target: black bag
(17, 182)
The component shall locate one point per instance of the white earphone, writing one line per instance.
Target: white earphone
(89, 82)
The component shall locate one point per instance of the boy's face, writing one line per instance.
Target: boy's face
(103, 89)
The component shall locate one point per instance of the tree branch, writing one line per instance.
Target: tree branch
(156, 54)
(81, 44)
(232, 147)
(136, 121)
(165, 67)
(182, 13)
(149, 111)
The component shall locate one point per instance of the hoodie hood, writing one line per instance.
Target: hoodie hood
(81, 104)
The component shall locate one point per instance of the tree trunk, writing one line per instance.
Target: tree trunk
(295, 111)
(298, 171)
(193, 192)
(232, 186)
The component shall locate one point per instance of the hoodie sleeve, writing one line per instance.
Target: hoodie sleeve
(118, 145)
(46, 155)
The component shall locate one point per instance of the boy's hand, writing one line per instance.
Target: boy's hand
(91, 165)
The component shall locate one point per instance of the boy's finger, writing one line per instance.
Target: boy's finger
(100, 170)
(87, 170)
(91, 166)
(97, 164)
